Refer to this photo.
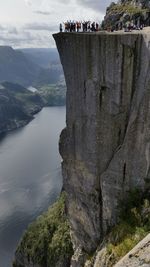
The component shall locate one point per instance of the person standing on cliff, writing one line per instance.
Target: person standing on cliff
(78, 26)
(97, 26)
(60, 27)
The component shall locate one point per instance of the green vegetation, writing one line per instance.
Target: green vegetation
(134, 226)
(17, 106)
(118, 14)
(47, 241)
(28, 101)
(126, 8)
(53, 95)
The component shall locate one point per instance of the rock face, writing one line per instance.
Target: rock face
(135, 12)
(106, 144)
(141, 3)
(138, 256)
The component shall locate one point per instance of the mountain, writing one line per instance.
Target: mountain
(140, 3)
(48, 59)
(51, 75)
(28, 67)
(16, 67)
(124, 11)
(53, 95)
(17, 106)
(20, 69)
(42, 57)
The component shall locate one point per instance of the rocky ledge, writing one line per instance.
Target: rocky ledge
(135, 12)
(138, 256)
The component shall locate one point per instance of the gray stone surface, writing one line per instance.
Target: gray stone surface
(106, 144)
(138, 256)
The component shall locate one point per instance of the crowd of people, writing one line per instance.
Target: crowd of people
(88, 26)
(128, 26)
(79, 26)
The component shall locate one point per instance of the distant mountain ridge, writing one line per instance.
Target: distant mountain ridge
(20, 69)
(16, 67)
(29, 66)
(43, 57)
(17, 106)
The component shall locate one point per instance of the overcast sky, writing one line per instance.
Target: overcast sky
(30, 23)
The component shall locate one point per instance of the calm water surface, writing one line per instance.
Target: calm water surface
(30, 176)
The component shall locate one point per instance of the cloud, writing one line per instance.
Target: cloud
(42, 12)
(26, 39)
(40, 27)
(34, 25)
(28, 2)
(8, 29)
(98, 5)
(64, 1)
(2, 28)
(12, 30)
(28, 35)
(33, 3)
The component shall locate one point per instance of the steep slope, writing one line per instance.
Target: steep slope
(105, 147)
(48, 60)
(139, 256)
(17, 106)
(42, 57)
(16, 67)
(51, 75)
(141, 3)
(30, 66)
(46, 241)
(136, 12)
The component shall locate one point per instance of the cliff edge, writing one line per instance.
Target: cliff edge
(106, 144)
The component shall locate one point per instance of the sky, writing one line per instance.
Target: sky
(31, 23)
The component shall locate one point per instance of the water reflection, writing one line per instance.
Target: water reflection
(30, 176)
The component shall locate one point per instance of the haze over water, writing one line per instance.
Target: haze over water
(30, 176)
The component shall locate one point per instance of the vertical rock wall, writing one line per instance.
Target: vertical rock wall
(106, 144)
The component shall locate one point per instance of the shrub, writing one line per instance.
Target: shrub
(134, 226)
(47, 241)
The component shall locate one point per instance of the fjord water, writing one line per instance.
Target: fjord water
(30, 176)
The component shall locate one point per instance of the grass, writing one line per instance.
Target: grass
(127, 8)
(134, 226)
(47, 241)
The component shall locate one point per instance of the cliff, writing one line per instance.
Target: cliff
(140, 3)
(120, 14)
(106, 144)
(106, 156)
(17, 106)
